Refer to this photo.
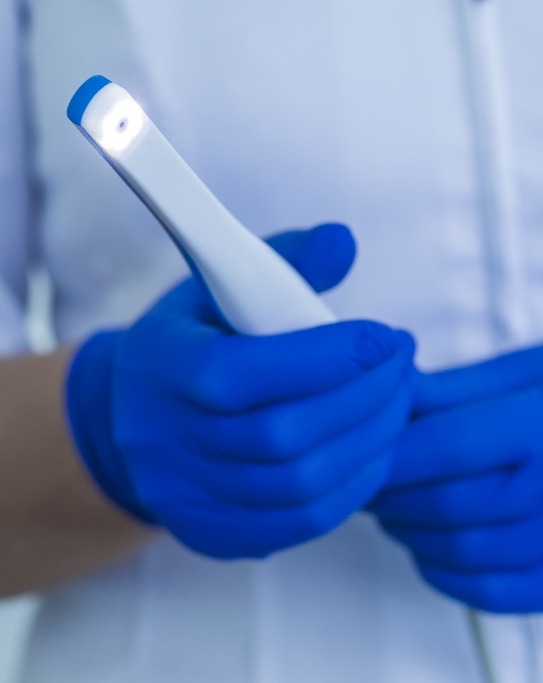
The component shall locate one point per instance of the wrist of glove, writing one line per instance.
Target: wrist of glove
(241, 446)
(89, 392)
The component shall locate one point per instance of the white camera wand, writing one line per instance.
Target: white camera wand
(256, 290)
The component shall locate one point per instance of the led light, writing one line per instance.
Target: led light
(121, 125)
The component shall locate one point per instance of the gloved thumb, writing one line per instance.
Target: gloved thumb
(323, 255)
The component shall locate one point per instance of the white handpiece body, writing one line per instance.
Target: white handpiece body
(256, 290)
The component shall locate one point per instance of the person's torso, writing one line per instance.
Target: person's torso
(418, 124)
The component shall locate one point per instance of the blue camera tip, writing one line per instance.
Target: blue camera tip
(83, 96)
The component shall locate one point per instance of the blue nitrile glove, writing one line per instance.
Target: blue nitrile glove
(240, 445)
(466, 492)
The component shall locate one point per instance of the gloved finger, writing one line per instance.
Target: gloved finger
(233, 373)
(498, 496)
(504, 374)
(509, 592)
(286, 430)
(239, 373)
(305, 479)
(471, 439)
(323, 255)
(495, 547)
(229, 532)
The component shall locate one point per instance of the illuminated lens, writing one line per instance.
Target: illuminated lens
(121, 126)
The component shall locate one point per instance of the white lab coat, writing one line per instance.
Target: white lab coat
(418, 123)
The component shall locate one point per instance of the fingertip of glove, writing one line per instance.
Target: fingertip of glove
(406, 342)
(328, 254)
(335, 234)
(337, 240)
(377, 343)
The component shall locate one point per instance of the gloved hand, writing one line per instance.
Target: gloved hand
(241, 446)
(466, 491)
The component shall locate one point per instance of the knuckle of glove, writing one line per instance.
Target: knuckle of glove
(303, 484)
(482, 591)
(455, 550)
(521, 489)
(488, 594)
(278, 434)
(311, 522)
(464, 549)
(443, 507)
(215, 381)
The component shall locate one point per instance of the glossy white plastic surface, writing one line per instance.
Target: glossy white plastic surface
(257, 291)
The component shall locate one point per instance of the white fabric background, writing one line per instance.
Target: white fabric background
(391, 150)
(15, 616)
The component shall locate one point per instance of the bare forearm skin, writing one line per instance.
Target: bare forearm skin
(54, 523)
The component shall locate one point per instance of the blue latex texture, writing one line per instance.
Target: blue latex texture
(466, 490)
(241, 446)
